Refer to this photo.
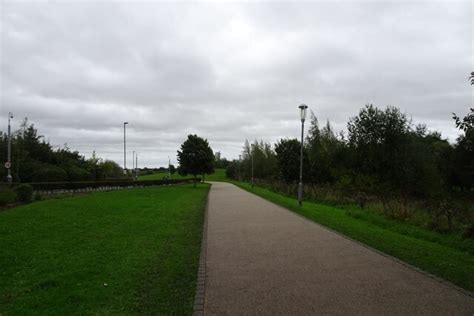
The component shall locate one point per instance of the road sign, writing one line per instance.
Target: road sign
(8, 165)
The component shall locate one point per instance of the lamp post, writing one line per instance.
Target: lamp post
(133, 164)
(240, 163)
(124, 148)
(252, 150)
(303, 108)
(136, 166)
(9, 150)
(169, 167)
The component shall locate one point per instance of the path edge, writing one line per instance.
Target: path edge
(200, 294)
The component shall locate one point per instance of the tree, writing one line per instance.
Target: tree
(172, 169)
(463, 155)
(195, 157)
(325, 153)
(288, 157)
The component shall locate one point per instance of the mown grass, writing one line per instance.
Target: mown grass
(123, 252)
(447, 256)
(218, 175)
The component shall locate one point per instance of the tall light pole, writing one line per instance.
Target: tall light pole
(8, 165)
(133, 164)
(252, 150)
(303, 108)
(136, 166)
(169, 167)
(240, 163)
(124, 148)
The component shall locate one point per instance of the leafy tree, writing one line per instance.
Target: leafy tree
(195, 157)
(288, 157)
(325, 152)
(34, 159)
(172, 169)
(463, 155)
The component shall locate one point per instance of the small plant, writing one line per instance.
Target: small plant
(24, 193)
(7, 195)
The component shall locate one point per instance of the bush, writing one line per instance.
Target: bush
(38, 196)
(7, 195)
(49, 173)
(24, 193)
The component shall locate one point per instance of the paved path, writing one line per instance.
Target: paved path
(265, 260)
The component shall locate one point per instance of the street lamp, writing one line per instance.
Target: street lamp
(8, 165)
(252, 150)
(124, 148)
(169, 167)
(303, 108)
(136, 166)
(133, 162)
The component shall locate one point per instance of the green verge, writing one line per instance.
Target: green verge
(133, 251)
(218, 175)
(447, 256)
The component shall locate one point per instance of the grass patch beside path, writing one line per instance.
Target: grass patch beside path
(218, 175)
(449, 257)
(122, 252)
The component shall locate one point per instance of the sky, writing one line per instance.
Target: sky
(226, 71)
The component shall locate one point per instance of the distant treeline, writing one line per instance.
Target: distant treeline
(382, 156)
(35, 160)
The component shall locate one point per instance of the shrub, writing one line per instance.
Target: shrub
(38, 196)
(24, 193)
(49, 173)
(7, 195)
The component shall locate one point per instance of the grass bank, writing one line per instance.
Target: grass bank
(447, 256)
(218, 175)
(123, 252)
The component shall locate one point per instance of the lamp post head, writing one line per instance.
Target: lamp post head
(303, 108)
(125, 123)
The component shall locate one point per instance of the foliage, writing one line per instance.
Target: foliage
(195, 157)
(24, 193)
(172, 169)
(7, 195)
(219, 161)
(35, 159)
(288, 157)
(384, 158)
(462, 173)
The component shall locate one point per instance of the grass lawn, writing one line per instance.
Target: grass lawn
(447, 256)
(123, 252)
(218, 175)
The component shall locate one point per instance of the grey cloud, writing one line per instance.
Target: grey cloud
(228, 72)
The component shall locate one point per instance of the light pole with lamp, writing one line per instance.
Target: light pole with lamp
(133, 163)
(136, 166)
(252, 150)
(303, 108)
(8, 165)
(124, 148)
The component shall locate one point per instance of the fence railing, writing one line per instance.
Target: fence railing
(90, 186)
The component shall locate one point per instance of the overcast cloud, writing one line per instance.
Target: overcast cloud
(227, 72)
